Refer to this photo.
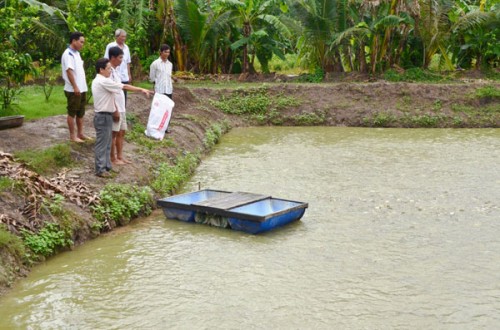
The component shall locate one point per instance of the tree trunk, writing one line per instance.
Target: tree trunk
(363, 67)
(247, 29)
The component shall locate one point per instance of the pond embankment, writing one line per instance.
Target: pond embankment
(69, 197)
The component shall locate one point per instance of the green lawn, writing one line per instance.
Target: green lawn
(32, 103)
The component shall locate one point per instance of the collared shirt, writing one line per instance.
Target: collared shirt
(160, 72)
(104, 92)
(127, 59)
(120, 96)
(71, 59)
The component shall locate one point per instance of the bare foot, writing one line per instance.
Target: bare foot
(118, 162)
(77, 140)
(126, 161)
(83, 137)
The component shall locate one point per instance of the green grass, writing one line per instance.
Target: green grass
(288, 66)
(48, 160)
(415, 75)
(32, 102)
(11, 242)
(144, 84)
(488, 92)
(6, 183)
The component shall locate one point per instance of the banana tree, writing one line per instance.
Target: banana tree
(166, 17)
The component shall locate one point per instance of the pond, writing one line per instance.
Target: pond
(402, 231)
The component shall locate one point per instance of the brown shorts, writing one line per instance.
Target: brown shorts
(76, 104)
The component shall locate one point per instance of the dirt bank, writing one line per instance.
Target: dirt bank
(339, 104)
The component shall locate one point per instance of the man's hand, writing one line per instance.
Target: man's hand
(147, 92)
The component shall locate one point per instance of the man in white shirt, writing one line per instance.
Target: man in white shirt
(120, 127)
(160, 72)
(75, 85)
(124, 68)
(104, 91)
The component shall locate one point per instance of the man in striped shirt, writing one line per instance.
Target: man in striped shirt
(160, 72)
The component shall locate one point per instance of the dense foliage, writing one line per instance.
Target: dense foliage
(224, 36)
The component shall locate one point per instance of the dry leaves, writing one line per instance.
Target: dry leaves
(36, 188)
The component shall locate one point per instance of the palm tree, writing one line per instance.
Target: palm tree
(255, 18)
(320, 20)
(476, 35)
(433, 28)
(204, 30)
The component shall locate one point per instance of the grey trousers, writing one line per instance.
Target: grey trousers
(103, 123)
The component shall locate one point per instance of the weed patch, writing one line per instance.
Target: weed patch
(309, 119)
(121, 203)
(422, 120)
(47, 241)
(380, 119)
(256, 101)
(214, 133)
(169, 178)
(488, 94)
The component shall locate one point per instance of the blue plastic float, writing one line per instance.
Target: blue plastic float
(248, 212)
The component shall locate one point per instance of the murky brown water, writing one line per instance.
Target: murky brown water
(402, 231)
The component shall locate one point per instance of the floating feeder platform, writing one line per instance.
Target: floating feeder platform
(248, 212)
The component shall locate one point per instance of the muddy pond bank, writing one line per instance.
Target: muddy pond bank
(197, 123)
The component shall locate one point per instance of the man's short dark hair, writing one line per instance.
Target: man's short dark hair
(164, 47)
(101, 64)
(75, 36)
(115, 52)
